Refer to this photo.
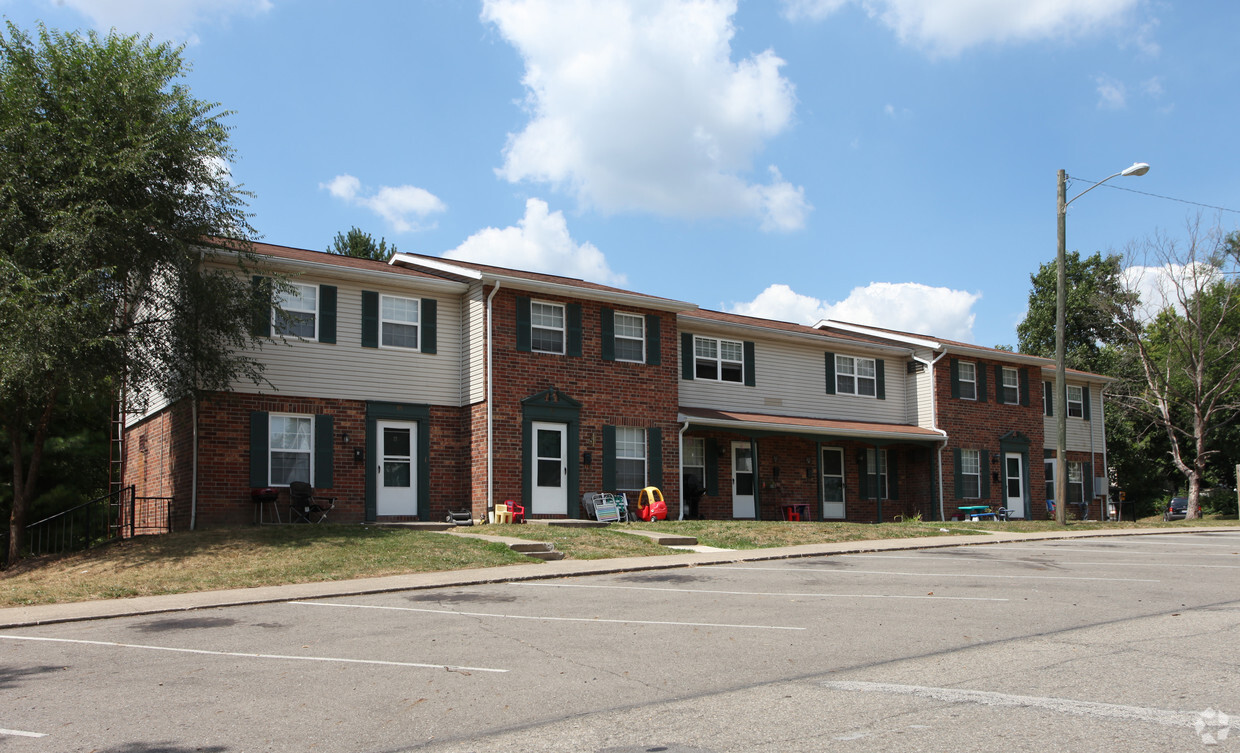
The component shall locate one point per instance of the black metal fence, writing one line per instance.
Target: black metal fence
(118, 515)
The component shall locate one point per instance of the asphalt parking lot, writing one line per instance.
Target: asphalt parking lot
(1084, 644)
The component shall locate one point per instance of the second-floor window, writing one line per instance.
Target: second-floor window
(855, 376)
(398, 322)
(298, 316)
(1011, 386)
(1076, 401)
(721, 360)
(630, 337)
(968, 380)
(547, 327)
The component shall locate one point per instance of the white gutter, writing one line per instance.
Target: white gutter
(934, 424)
(772, 332)
(490, 405)
(343, 272)
(862, 330)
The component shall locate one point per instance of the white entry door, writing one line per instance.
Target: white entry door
(742, 480)
(1014, 484)
(396, 493)
(549, 491)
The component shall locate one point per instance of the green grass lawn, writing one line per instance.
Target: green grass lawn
(273, 555)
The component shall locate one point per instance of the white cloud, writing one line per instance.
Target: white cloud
(947, 27)
(637, 105)
(165, 19)
(1112, 94)
(1157, 286)
(904, 306)
(539, 243)
(404, 207)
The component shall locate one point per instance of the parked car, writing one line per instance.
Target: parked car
(1177, 509)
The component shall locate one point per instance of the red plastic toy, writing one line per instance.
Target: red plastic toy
(650, 504)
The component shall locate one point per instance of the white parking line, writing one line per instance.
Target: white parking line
(20, 733)
(1121, 552)
(1179, 541)
(1073, 706)
(249, 656)
(929, 575)
(545, 619)
(931, 558)
(759, 593)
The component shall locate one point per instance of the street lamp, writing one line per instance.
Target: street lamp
(1061, 384)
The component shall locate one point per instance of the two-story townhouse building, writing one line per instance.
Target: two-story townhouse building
(997, 411)
(424, 385)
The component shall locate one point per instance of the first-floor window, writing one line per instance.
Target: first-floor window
(1050, 478)
(290, 444)
(876, 469)
(971, 473)
(1076, 483)
(630, 458)
(694, 465)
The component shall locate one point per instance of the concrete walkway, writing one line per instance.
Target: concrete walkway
(91, 610)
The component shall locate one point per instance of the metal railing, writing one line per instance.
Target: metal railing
(121, 514)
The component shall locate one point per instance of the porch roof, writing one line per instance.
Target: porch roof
(758, 424)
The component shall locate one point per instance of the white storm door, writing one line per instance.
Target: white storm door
(1014, 484)
(742, 480)
(396, 492)
(549, 492)
(832, 483)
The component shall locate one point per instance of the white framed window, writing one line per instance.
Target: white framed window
(1011, 386)
(630, 337)
(1076, 401)
(967, 380)
(971, 473)
(630, 459)
(855, 376)
(1050, 464)
(720, 360)
(832, 482)
(694, 464)
(290, 443)
(1076, 483)
(398, 322)
(299, 312)
(547, 327)
(876, 469)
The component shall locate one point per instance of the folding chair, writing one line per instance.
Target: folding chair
(304, 505)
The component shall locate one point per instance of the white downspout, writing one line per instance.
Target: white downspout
(681, 449)
(934, 424)
(490, 406)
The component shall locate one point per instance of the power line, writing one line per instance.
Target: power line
(1158, 196)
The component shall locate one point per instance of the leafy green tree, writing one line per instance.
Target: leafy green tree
(114, 198)
(1095, 286)
(361, 245)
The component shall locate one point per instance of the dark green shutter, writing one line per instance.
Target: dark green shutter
(955, 373)
(609, 458)
(712, 466)
(1048, 398)
(863, 478)
(829, 365)
(370, 319)
(607, 325)
(430, 325)
(1085, 402)
(654, 457)
(983, 472)
(572, 320)
(979, 373)
(959, 473)
(880, 379)
(258, 449)
(1000, 397)
(1087, 481)
(750, 377)
(1024, 387)
(686, 356)
(523, 323)
(654, 339)
(260, 290)
(327, 314)
(893, 476)
(324, 454)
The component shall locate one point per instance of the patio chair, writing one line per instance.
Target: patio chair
(307, 507)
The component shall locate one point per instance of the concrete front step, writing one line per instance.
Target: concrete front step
(662, 539)
(543, 550)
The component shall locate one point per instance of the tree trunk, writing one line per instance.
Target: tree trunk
(24, 480)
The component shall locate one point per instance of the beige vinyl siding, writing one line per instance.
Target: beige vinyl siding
(791, 381)
(474, 346)
(349, 371)
(1078, 428)
(921, 391)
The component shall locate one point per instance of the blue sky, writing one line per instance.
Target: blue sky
(884, 161)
